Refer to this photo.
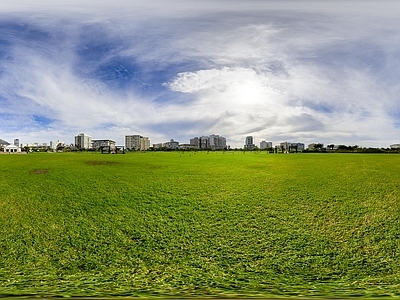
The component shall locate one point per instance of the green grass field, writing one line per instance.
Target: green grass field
(198, 224)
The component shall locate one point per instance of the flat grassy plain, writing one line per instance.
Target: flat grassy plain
(198, 224)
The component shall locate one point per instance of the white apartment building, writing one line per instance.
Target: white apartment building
(265, 145)
(144, 143)
(137, 142)
(83, 141)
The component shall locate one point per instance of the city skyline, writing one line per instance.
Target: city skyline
(298, 71)
(211, 142)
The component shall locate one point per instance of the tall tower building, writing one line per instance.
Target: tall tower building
(248, 143)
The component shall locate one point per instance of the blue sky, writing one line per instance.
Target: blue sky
(298, 71)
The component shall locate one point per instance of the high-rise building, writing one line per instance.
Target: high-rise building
(213, 142)
(132, 142)
(248, 143)
(137, 142)
(217, 142)
(195, 142)
(16, 142)
(83, 141)
(204, 142)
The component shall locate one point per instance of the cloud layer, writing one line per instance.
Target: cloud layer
(287, 71)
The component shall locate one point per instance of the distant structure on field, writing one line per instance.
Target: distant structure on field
(314, 146)
(100, 144)
(297, 146)
(12, 149)
(83, 141)
(287, 146)
(248, 143)
(173, 145)
(265, 145)
(137, 142)
(212, 142)
(57, 145)
(3, 143)
(395, 146)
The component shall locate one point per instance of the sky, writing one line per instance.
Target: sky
(300, 71)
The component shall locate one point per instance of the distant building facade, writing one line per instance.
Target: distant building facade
(248, 143)
(395, 146)
(285, 146)
(265, 145)
(297, 146)
(37, 146)
(212, 142)
(98, 144)
(144, 143)
(313, 146)
(12, 149)
(217, 142)
(187, 146)
(202, 142)
(137, 142)
(83, 141)
(173, 145)
(56, 144)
